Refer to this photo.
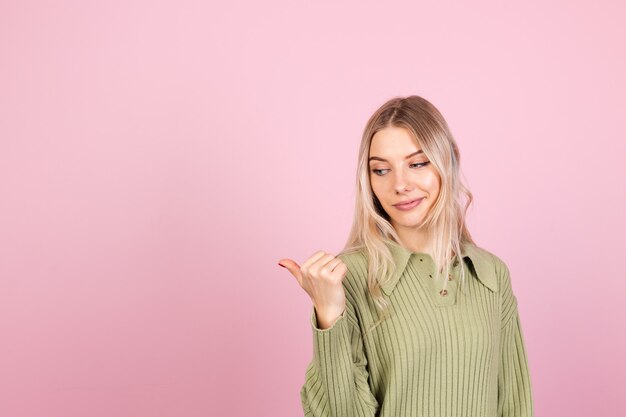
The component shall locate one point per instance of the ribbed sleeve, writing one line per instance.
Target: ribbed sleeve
(514, 395)
(336, 381)
(514, 389)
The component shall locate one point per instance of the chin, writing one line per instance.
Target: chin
(404, 222)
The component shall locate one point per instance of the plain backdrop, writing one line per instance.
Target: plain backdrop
(157, 158)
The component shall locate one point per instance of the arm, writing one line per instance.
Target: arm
(336, 381)
(514, 388)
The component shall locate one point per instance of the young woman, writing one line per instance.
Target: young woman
(412, 318)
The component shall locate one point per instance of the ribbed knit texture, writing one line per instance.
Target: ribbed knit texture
(455, 355)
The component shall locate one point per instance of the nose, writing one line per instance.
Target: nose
(401, 181)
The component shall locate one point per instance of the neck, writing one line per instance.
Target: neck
(414, 240)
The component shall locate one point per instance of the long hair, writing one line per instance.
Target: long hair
(445, 221)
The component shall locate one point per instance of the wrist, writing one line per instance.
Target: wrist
(326, 319)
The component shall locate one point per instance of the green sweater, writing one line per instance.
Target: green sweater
(456, 355)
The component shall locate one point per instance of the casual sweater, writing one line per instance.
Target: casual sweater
(454, 354)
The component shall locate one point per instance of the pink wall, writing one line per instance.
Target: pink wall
(158, 158)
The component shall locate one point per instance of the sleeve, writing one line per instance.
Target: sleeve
(336, 380)
(514, 387)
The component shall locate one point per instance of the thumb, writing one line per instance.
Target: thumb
(293, 267)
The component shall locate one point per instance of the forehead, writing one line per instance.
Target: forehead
(396, 141)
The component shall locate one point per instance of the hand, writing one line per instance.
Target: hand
(321, 276)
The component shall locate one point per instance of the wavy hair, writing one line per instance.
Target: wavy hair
(445, 221)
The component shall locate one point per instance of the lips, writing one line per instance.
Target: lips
(410, 205)
(408, 202)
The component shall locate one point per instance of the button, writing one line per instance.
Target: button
(443, 292)
(449, 277)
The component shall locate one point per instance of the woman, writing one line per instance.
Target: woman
(412, 318)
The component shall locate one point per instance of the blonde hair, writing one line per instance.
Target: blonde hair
(446, 219)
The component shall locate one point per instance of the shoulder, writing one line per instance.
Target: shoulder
(488, 263)
(356, 263)
(354, 257)
(487, 256)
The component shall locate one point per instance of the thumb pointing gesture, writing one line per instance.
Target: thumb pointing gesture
(321, 276)
(293, 267)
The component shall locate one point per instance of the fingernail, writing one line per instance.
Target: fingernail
(282, 265)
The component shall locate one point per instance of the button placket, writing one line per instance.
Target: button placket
(439, 296)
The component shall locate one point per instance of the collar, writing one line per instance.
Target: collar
(479, 259)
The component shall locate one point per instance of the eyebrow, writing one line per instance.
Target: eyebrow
(376, 158)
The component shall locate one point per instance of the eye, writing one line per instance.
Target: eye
(379, 172)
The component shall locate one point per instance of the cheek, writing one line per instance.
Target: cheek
(432, 182)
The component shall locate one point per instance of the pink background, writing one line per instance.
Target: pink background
(158, 158)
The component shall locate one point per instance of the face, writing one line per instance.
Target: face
(399, 172)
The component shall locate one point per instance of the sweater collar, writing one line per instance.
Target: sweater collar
(483, 268)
